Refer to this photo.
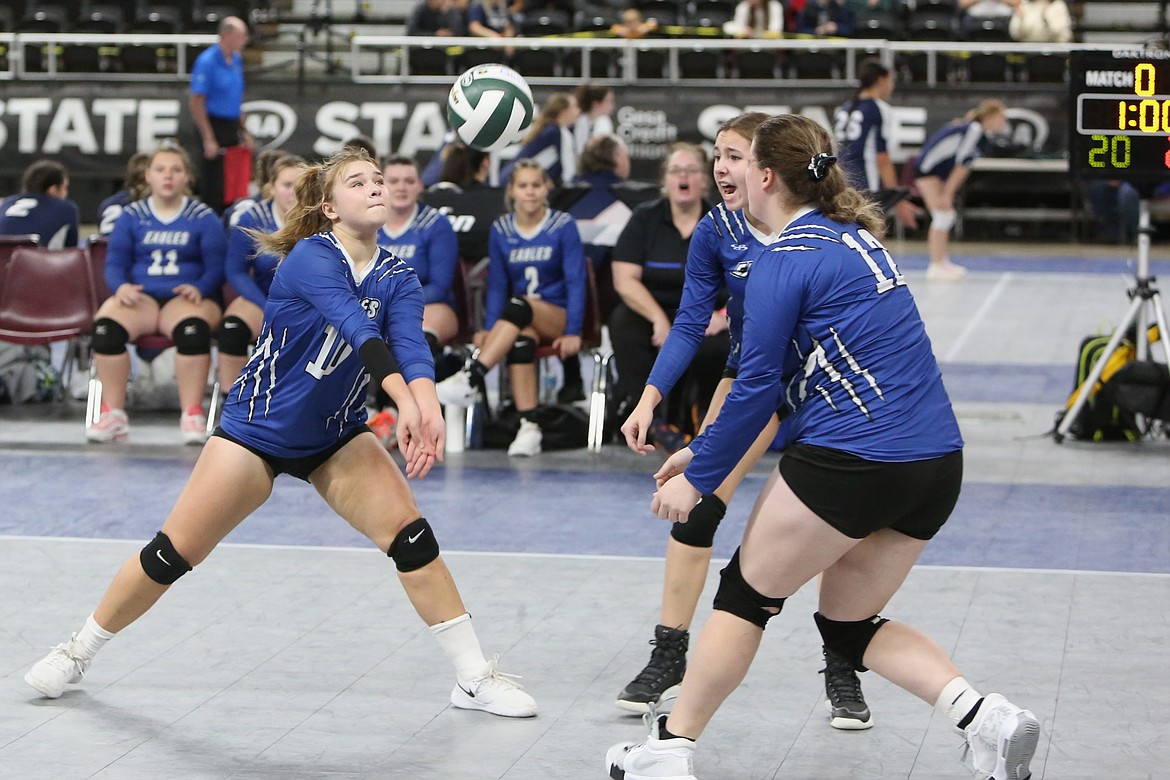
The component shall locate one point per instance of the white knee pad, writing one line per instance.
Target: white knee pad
(943, 220)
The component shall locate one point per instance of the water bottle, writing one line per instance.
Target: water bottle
(548, 387)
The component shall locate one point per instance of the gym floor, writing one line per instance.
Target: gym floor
(293, 653)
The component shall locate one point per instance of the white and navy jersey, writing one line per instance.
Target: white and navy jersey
(832, 334)
(548, 263)
(956, 144)
(304, 387)
(53, 220)
(248, 272)
(233, 213)
(554, 148)
(862, 128)
(158, 254)
(110, 209)
(428, 245)
(720, 256)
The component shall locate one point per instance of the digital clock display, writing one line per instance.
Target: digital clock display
(1119, 126)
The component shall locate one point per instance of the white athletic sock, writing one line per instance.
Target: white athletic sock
(957, 700)
(458, 640)
(91, 638)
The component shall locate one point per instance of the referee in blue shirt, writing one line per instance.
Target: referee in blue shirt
(217, 95)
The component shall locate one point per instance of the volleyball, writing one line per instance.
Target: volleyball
(490, 106)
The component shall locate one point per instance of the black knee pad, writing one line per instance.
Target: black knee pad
(161, 561)
(742, 600)
(109, 338)
(849, 639)
(415, 546)
(699, 529)
(523, 351)
(192, 336)
(234, 336)
(433, 342)
(518, 312)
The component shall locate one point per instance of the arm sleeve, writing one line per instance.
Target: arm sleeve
(241, 249)
(212, 247)
(576, 281)
(969, 147)
(317, 278)
(499, 288)
(120, 253)
(403, 329)
(772, 306)
(442, 258)
(704, 278)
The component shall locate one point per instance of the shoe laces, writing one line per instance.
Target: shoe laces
(664, 656)
(494, 677)
(840, 679)
(63, 658)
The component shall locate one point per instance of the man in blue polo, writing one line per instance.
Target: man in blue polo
(217, 96)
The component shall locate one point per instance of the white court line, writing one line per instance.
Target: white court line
(980, 313)
(565, 556)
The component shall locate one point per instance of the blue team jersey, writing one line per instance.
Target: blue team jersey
(220, 82)
(720, 256)
(832, 333)
(554, 149)
(231, 214)
(428, 245)
(304, 387)
(548, 264)
(955, 144)
(248, 272)
(53, 220)
(110, 209)
(862, 128)
(188, 248)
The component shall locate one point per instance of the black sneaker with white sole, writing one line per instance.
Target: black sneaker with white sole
(843, 696)
(660, 679)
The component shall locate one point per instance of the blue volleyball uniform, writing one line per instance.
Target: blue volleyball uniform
(188, 248)
(862, 128)
(832, 333)
(548, 264)
(553, 148)
(428, 245)
(110, 209)
(53, 220)
(248, 272)
(304, 387)
(233, 213)
(956, 144)
(720, 256)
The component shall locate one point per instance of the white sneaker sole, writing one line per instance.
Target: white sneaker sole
(460, 699)
(848, 724)
(101, 437)
(663, 705)
(41, 686)
(614, 758)
(1016, 757)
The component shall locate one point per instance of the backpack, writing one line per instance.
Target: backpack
(27, 375)
(562, 427)
(1101, 418)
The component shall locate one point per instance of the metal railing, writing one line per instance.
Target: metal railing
(52, 45)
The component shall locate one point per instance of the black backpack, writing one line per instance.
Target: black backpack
(1101, 418)
(562, 427)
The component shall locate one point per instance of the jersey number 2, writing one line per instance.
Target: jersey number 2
(333, 351)
(532, 276)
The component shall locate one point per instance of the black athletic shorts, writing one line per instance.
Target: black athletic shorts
(301, 467)
(858, 496)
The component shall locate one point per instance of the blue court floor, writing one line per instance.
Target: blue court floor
(292, 652)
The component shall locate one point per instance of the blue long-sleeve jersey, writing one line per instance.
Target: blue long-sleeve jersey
(832, 333)
(428, 245)
(720, 256)
(160, 255)
(862, 128)
(249, 272)
(305, 384)
(548, 263)
(956, 144)
(553, 148)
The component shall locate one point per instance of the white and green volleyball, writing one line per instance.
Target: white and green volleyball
(489, 107)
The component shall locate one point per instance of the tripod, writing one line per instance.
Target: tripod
(1145, 301)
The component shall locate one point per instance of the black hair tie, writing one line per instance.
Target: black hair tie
(818, 166)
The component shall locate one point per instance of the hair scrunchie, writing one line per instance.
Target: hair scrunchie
(818, 166)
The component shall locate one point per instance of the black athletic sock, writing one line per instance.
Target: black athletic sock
(664, 733)
(970, 716)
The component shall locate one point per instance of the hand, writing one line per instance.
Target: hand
(567, 346)
(661, 331)
(676, 464)
(210, 149)
(188, 292)
(718, 323)
(128, 294)
(636, 426)
(410, 439)
(907, 214)
(675, 500)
